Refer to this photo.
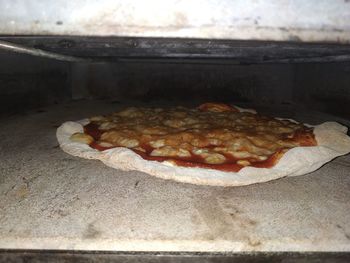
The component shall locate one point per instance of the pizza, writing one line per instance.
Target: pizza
(214, 143)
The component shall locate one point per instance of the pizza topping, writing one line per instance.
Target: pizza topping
(124, 138)
(82, 138)
(107, 126)
(243, 162)
(214, 158)
(105, 144)
(214, 135)
(170, 151)
(97, 118)
(157, 143)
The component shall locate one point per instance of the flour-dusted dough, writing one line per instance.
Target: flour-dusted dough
(331, 138)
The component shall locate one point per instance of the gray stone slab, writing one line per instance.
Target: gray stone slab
(51, 200)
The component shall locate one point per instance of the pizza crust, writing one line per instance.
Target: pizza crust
(331, 138)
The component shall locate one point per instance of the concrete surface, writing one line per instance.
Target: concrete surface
(51, 200)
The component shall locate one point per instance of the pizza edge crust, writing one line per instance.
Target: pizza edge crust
(331, 138)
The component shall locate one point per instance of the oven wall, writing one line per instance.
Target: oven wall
(184, 82)
(322, 86)
(28, 82)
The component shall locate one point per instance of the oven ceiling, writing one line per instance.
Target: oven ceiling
(223, 31)
(297, 20)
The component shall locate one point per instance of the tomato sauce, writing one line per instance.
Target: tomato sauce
(99, 147)
(305, 137)
(93, 130)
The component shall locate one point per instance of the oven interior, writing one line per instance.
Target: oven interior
(54, 201)
(291, 76)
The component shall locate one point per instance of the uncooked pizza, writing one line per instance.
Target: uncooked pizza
(214, 143)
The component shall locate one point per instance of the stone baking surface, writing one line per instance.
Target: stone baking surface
(52, 200)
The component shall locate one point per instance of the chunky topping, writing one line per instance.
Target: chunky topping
(214, 135)
(82, 138)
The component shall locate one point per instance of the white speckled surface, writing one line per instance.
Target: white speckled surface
(52, 200)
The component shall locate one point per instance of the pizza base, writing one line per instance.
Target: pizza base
(331, 138)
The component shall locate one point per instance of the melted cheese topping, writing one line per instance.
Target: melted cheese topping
(212, 134)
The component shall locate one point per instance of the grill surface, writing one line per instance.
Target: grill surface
(51, 200)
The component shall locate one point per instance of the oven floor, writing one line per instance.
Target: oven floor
(51, 200)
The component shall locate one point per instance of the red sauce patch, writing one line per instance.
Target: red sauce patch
(93, 130)
(305, 137)
(271, 161)
(99, 147)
